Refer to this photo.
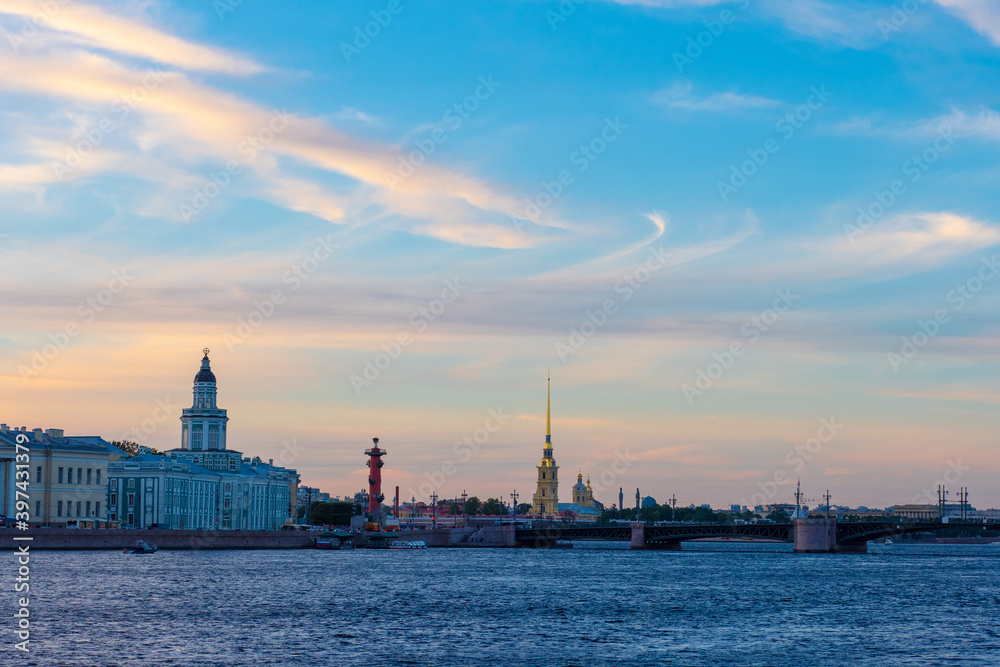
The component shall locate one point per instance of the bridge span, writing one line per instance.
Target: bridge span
(808, 535)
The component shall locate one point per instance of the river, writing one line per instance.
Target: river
(711, 604)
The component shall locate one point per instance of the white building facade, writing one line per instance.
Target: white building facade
(67, 477)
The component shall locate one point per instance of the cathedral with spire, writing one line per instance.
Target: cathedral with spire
(545, 503)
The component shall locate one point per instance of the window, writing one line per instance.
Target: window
(213, 439)
(227, 503)
(89, 474)
(228, 487)
(38, 475)
(98, 477)
(232, 464)
(543, 492)
(543, 475)
(60, 475)
(38, 509)
(88, 509)
(79, 507)
(113, 517)
(59, 508)
(131, 519)
(114, 484)
(79, 475)
(114, 499)
(97, 510)
(131, 499)
(131, 484)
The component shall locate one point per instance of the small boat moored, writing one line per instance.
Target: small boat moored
(142, 548)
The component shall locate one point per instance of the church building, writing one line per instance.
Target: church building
(584, 507)
(545, 502)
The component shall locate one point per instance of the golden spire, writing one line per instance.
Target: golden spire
(548, 413)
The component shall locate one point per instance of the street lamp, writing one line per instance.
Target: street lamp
(464, 496)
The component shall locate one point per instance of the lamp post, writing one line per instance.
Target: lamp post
(413, 509)
(434, 505)
(464, 496)
(513, 507)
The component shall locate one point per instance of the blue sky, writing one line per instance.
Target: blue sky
(316, 252)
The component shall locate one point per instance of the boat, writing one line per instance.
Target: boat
(402, 544)
(142, 548)
(888, 541)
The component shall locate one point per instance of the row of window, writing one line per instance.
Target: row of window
(80, 507)
(67, 474)
(204, 401)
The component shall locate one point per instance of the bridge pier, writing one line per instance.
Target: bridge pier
(813, 536)
(638, 535)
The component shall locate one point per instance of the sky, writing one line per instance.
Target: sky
(752, 242)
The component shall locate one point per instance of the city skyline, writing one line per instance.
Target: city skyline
(716, 225)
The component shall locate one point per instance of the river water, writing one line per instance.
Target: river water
(710, 604)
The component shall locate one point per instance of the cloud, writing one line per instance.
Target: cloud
(982, 15)
(122, 35)
(849, 22)
(670, 4)
(901, 245)
(982, 124)
(190, 121)
(679, 97)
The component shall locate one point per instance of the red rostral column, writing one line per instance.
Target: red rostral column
(375, 464)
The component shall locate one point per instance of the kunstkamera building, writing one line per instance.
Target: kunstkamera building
(202, 484)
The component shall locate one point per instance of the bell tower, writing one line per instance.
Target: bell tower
(545, 502)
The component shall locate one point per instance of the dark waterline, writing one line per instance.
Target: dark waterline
(712, 604)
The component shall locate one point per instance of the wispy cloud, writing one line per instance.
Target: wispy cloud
(184, 121)
(982, 15)
(680, 97)
(92, 26)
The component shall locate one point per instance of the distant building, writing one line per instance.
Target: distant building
(67, 477)
(584, 506)
(202, 484)
(930, 512)
(545, 502)
(787, 508)
(649, 501)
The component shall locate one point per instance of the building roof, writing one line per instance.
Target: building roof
(578, 509)
(168, 462)
(205, 373)
(39, 439)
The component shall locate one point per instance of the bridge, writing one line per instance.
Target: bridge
(808, 535)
